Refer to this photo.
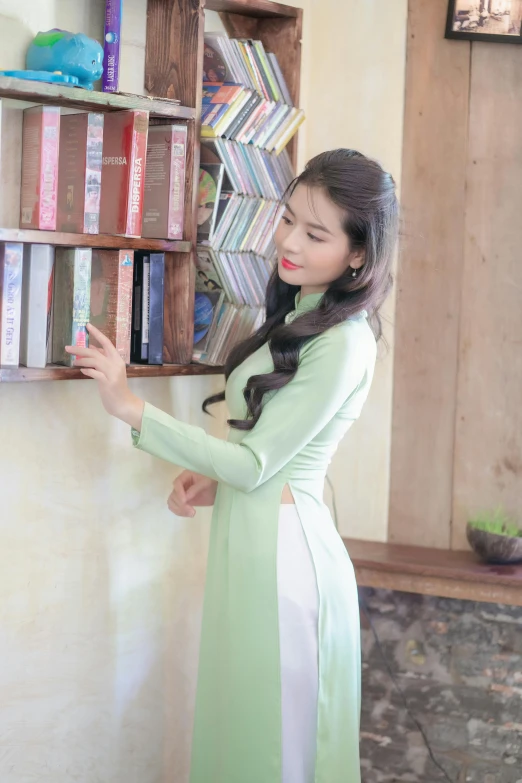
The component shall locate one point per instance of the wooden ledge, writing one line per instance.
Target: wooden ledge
(439, 572)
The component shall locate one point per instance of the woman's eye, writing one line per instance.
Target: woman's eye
(314, 238)
(286, 220)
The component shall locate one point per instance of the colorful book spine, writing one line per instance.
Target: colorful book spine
(111, 45)
(79, 173)
(111, 297)
(123, 172)
(11, 272)
(37, 298)
(164, 194)
(71, 301)
(39, 191)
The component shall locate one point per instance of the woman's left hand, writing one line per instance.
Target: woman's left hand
(106, 366)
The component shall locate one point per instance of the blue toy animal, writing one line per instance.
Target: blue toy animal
(73, 54)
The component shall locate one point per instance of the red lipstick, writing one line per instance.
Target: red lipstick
(288, 264)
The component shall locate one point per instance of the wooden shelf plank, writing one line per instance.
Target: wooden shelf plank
(439, 572)
(90, 100)
(57, 373)
(258, 8)
(92, 240)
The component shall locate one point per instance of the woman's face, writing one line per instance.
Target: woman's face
(312, 247)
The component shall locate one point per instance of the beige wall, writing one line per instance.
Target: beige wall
(100, 587)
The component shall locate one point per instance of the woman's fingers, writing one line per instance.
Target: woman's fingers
(181, 510)
(102, 339)
(89, 361)
(195, 488)
(95, 374)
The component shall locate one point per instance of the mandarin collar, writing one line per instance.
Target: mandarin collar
(303, 305)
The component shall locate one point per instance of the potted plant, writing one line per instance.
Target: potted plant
(495, 537)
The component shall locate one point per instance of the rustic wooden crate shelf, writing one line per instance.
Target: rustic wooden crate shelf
(92, 240)
(174, 73)
(57, 373)
(439, 572)
(90, 100)
(254, 8)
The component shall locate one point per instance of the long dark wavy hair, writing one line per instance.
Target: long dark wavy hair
(366, 194)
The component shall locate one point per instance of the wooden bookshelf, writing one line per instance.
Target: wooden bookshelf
(90, 100)
(107, 241)
(57, 373)
(256, 9)
(173, 80)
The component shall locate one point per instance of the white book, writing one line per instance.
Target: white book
(10, 302)
(37, 291)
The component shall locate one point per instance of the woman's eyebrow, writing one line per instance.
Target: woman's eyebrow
(318, 226)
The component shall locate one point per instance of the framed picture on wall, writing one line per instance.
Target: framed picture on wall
(499, 21)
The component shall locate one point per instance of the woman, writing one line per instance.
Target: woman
(279, 675)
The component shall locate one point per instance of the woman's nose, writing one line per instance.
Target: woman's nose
(291, 242)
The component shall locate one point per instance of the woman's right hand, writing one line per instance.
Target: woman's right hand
(190, 490)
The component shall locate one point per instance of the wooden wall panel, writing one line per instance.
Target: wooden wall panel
(429, 279)
(488, 445)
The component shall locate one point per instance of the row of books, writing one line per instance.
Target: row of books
(246, 62)
(102, 173)
(48, 295)
(222, 317)
(248, 118)
(249, 170)
(245, 226)
(245, 96)
(243, 277)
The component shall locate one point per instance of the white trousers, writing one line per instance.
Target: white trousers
(298, 601)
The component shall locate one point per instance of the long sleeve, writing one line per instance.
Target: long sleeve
(331, 369)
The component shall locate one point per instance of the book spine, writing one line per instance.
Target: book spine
(111, 45)
(39, 191)
(11, 266)
(49, 169)
(124, 305)
(37, 292)
(93, 169)
(145, 311)
(137, 174)
(177, 182)
(156, 308)
(81, 297)
(140, 309)
(71, 173)
(71, 301)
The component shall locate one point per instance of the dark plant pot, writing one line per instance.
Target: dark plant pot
(494, 548)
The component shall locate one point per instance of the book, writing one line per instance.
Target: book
(11, 272)
(140, 309)
(164, 193)
(37, 299)
(111, 297)
(215, 66)
(111, 45)
(39, 191)
(209, 191)
(79, 173)
(123, 172)
(207, 307)
(71, 301)
(283, 87)
(156, 307)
